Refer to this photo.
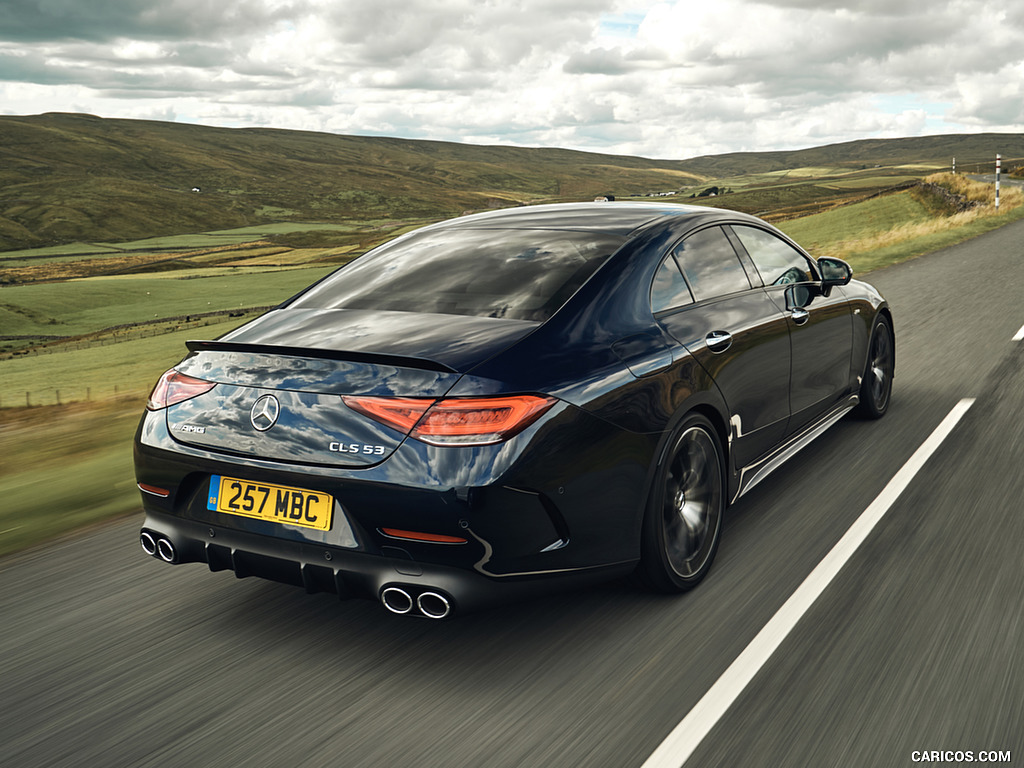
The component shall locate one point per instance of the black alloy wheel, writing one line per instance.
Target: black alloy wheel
(876, 386)
(683, 523)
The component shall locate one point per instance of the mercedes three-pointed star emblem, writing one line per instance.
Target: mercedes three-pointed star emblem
(264, 413)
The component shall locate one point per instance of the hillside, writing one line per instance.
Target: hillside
(970, 151)
(69, 177)
(77, 177)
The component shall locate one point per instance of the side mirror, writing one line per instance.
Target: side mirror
(833, 272)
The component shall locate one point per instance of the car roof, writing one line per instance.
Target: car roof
(614, 218)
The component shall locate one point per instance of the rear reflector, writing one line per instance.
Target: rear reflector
(435, 538)
(174, 387)
(163, 493)
(456, 420)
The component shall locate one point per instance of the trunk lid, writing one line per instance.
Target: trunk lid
(280, 380)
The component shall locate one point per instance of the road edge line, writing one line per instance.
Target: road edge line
(680, 744)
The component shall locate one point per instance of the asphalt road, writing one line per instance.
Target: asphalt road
(109, 658)
(990, 178)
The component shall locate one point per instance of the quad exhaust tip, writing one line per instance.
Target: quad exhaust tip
(432, 605)
(396, 600)
(158, 546)
(165, 550)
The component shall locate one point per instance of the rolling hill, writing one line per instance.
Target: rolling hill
(75, 177)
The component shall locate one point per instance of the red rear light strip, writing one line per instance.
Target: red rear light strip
(434, 538)
(462, 420)
(400, 413)
(163, 493)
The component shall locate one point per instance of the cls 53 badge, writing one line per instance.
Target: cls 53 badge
(366, 450)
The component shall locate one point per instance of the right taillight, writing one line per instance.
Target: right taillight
(174, 387)
(455, 420)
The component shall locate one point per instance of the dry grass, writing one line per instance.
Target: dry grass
(978, 192)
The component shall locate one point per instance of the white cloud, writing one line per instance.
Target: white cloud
(674, 78)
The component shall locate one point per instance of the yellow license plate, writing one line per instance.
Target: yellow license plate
(278, 503)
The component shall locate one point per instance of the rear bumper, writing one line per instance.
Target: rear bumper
(559, 503)
(347, 573)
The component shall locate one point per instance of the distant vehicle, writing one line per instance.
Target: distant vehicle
(503, 402)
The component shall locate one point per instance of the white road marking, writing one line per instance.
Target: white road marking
(1020, 334)
(676, 749)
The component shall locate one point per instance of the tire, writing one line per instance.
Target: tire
(683, 521)
(876, 386)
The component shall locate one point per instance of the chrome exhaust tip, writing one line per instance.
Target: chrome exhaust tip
(165, 549)
(434, 605)
(148, 543)
(396, 600)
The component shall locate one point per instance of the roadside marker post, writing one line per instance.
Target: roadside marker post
(999, 160)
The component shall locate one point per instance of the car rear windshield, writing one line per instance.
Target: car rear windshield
(514, 273)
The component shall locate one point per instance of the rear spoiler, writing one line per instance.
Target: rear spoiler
(399, 361)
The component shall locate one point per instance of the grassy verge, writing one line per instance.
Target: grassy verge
(866, 258)
(65, 468)
(895, 227)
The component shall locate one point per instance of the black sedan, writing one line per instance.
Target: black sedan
(510, 400)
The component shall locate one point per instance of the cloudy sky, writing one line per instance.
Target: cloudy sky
(672, 79)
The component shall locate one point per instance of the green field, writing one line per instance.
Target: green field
(84, 306)
(104, 371)
(55, 253)
(869, 182)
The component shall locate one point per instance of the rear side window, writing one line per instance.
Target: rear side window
(777, 261)
(514, 273)
(669, 290)
(711, 265)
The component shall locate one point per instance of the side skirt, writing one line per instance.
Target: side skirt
(754, 473)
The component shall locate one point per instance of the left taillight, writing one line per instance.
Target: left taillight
(174, 387)
(456, 420)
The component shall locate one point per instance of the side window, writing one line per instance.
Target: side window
(776, 260)
(711, 265)
(669, 290)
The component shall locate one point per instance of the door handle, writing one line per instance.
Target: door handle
(799, 315)
(718, 341)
